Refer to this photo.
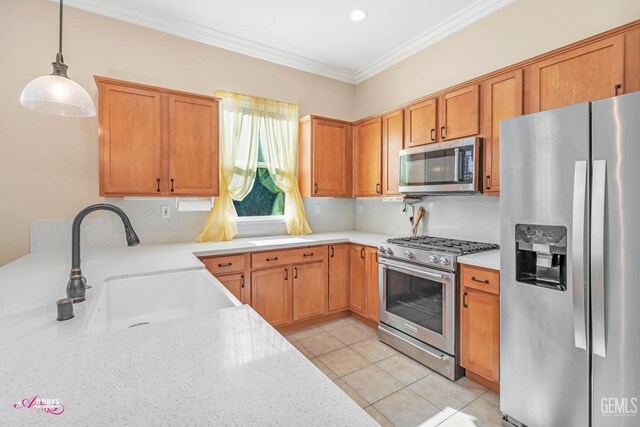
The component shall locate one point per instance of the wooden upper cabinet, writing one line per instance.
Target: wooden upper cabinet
(392, 143)
(155, 141)
(309, 290)
(367, 158)
(460, 113)
(193, 146)
(587, 73)
(324, 157)
(420, 121)
(270, 295)
(502, 99)
(372, 275)
(357, 283)
(339, 277)
(130, 140)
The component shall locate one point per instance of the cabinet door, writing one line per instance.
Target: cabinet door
(372, 284)
(237, 285)
(270, 295)
(502, 100)
(587, 73)
(357, 284)
(392, 143)
(331, 158)
(309, 290)
(193, 146)
(130, 141)
(480, 333)
(460, 113)
(367, 158)
(338, 277)
(420, 123)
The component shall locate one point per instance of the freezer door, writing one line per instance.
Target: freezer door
(544, 362)
(615, 261)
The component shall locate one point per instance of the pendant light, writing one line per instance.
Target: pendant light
(56, 93)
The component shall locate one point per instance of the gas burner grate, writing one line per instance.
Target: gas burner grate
(458, 247)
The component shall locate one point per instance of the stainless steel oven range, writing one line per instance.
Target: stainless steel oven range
(418, 290)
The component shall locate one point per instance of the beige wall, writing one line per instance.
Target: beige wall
(48, 164)
(523, 29)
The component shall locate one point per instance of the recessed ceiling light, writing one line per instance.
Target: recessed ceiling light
(358, 15)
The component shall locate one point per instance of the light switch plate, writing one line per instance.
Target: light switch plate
(318, 209)
(166, 211)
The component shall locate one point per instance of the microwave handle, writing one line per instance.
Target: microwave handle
(456, 162)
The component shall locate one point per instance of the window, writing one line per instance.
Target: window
(265, 198)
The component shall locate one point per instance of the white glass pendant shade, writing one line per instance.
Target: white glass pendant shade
(57, 95)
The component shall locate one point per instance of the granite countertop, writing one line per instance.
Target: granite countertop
(227, 368)
(488, 259)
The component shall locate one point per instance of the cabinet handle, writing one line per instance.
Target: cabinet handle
(433, 135)
(286, 274)
(307, 254)
(362, 253)
(172, 185)
(242, 281)
(333, 252)
(226, 264)
(464, 300)
(378, 188)
(442, 135)
(275, 258)
(488, 182)
(315, 188)
(618, 87)
(295, 272)
(486, 281)
(158, 184)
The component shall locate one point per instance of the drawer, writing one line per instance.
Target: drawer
(480, 278)
(225, 264)
(289, 256)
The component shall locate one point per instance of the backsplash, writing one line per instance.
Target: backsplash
(105, 229)
(459, 217)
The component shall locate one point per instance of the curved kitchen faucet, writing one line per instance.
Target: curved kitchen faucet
(77, 286)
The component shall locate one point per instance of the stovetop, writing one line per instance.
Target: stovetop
(439, 244)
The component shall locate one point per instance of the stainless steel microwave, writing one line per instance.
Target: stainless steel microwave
(443, 168)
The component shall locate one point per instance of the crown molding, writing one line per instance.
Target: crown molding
(456, 22)
(119, 10)
(122, 11)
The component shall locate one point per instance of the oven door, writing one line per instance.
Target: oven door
(420, 302)
(448, 167)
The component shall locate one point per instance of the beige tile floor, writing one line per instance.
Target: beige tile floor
(393, 388)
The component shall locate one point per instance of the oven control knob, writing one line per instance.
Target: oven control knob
(408, 254)
(382, 250)
(433, 259)
(444, 261)
(389, 251)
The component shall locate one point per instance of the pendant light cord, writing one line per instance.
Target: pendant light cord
(60, 31)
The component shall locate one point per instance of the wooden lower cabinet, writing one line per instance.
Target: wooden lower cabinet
(372, 283)
(309, 290)
(238, 286)
(339, 277)
(480, 325)
(270, 294)
(357, 282)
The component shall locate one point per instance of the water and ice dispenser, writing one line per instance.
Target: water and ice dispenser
(541, 255)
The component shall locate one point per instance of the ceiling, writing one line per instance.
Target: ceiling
(314, 36)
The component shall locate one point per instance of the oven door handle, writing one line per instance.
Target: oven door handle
(421, 273)
(456, 161)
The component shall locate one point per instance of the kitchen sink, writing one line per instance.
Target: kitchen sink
(142, 300)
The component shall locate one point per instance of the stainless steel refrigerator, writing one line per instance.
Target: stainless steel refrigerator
(570, 266)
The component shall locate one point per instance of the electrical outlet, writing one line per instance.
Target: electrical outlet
(166, 211)
(318, 209)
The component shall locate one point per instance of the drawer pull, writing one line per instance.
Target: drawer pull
(242, 281)
(362, 253)
(464, 300)
(226, 264)
(295, 272)
(275, 258)
(332, 251)
(486, 281)
(433, 135)
(158, 184)
(286, 274)
(308, 254)
(172, 190)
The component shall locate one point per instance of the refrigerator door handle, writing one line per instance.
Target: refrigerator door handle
(597, 257)
(578, 254)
